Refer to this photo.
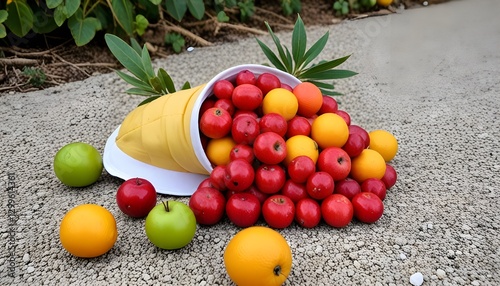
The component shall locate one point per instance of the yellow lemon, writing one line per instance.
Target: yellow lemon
(299, 145)
(218, 150)
(368, 164)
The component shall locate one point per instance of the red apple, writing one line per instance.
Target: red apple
(354, 145)
(376, 186)
(245, 77)
(298, 125)
(136, 197)
(215, 122)
(273, 122)
(239, 175)
(267, 81)
(295, 191)
(300, 168)
(347, 187)
(243, 209)
(217, 177)
(335, 161)
(269, 179)
(247, 97)
(256, 192)
(307, 213)
(390, 176)
(337, 210)
(286, 86)
(240, 112)
(242, 151)
(269, 148)
(244, 129)
(329, 105)
(320, 185)
(345, 116)
(278, 211)
(223, 89)
(226, 104)
(356, 129)
(208, 205)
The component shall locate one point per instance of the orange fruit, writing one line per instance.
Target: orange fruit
(218, 150)
(384, 142)
(329, 130)
(258, 255)
(384, 3)
(88, 230)
(310, 98)
(281, 101)
(368, 164)
(299, 145)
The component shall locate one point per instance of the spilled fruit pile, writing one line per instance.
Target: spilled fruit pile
(288, 154)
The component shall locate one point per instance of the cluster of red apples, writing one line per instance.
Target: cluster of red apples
(257, 182)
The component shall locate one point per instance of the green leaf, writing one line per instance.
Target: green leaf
(186, 85)
(271, 56)
(141, 24)
(127, 56)
(167, 80)
(156, 84)
(51, 4)
(3, 31)
(196, 8)
(70, 7)
(124, 11)
(20, 18)
(288, 65)
(176, 9)
(42, 23)
(134, 81)
(324, 66)
(222, 17)
(149, 99)
(155, 2)
(176, 40)
(314, 50)
(299, 40)
(83, 29)
(140, 91)
(3, 15)
(135, 45)
(146, 62)
(59, 16)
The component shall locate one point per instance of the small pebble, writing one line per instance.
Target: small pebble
(402, 256)
(26, 258)
(30, 269)
(417, 279)
(190, 49)
(441, 274)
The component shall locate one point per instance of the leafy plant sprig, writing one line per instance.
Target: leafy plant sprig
(138, 62)
(299, 62)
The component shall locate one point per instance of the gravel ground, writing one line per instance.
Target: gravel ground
(428, 75)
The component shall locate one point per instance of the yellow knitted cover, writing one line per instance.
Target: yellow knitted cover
(158, 133)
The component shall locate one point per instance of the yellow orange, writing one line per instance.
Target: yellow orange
(299, 145)
(384, 142)
(258, 255)
(309, 97)
(329, 130)
(368, 164)
(218, 150)
(281, 101)
(88, 230)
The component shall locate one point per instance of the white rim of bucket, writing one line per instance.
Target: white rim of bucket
(228, 74)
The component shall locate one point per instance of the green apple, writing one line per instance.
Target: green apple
(78, 164)
(170, 225)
